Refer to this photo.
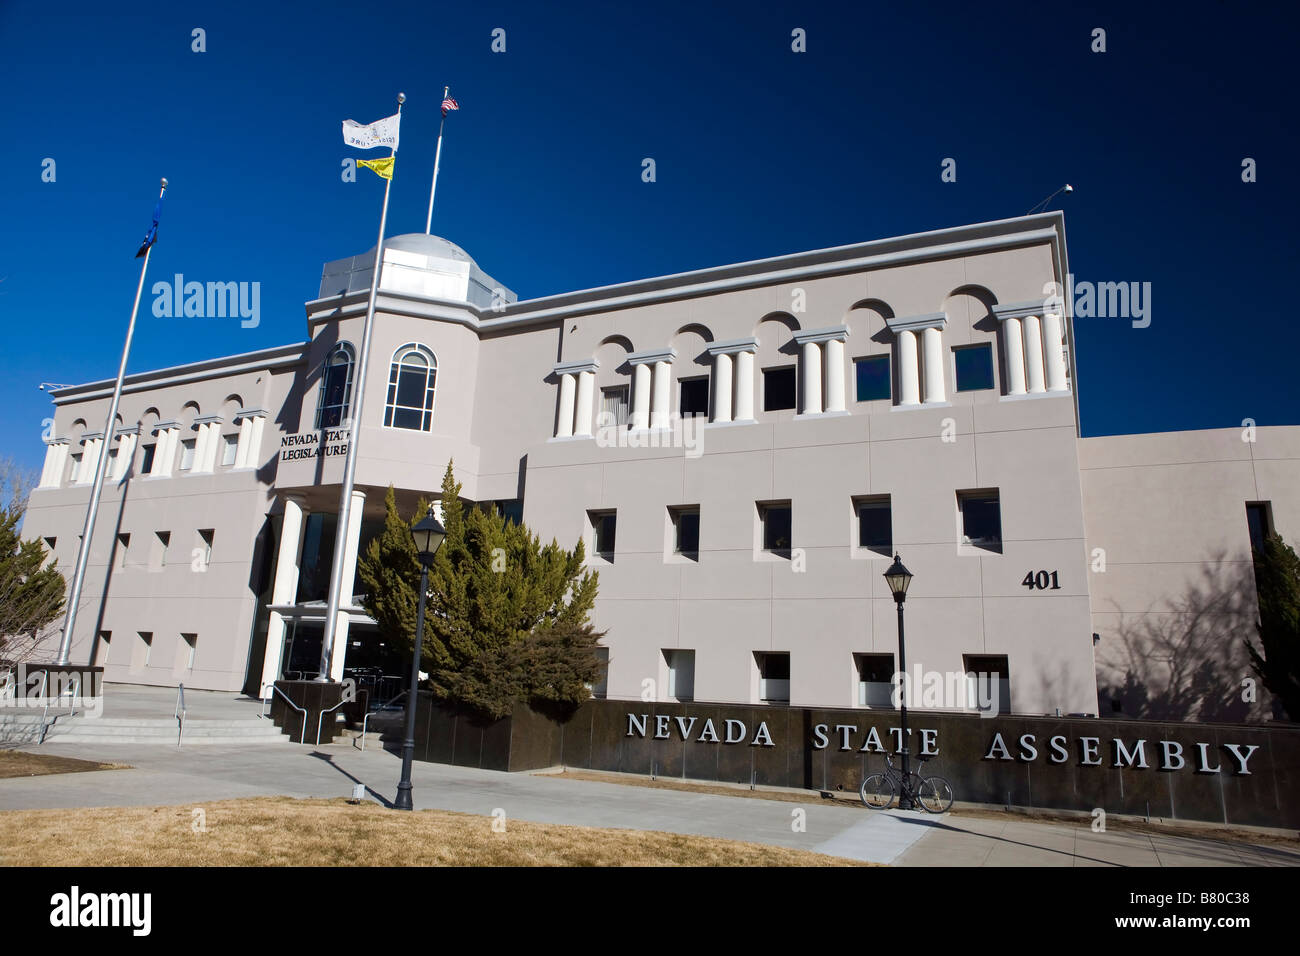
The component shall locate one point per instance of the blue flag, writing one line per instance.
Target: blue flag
(153, 230)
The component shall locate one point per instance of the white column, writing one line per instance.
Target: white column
(164, 455)
(1015, 356)
(125, 453)
(90, 460)
(242, 448)
(255, 441)
(56, 454)
(211, 445)
(586, 400)
(663, 378)
(744, 404)
(722, 387)
(353, 544)
(811, 378)
(908, 371)
(564, 423)
(835, 375)
(1034, 355)
(934, 374)
(285, 588)
(641, 395)
(1054, 351)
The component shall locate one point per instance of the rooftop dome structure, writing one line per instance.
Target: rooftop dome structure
(420, 265)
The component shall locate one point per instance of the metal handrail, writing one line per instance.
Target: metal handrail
(388, 705)
(45, 711)
(321, 718)
(275, 690)
(180, 713)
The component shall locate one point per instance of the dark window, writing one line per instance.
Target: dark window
(146, 465)
(777, 520)
(410, 388)
(335, 387)
(981, 519)
(873, 378)
(511, 509)
(974, 367)
(876, 668)
(694, 397)
(778, 388)
(1260, 522)
(686, 532)
(603, 524)
(774, 678)
(875, 525)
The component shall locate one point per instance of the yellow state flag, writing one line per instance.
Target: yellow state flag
(383, 167)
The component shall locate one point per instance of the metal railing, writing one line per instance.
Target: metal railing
(302, 737)
(320, 720)
(180, 713)
(386, 706)
(73, 689)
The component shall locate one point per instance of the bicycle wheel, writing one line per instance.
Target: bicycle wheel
(935, 795)
(877, 792)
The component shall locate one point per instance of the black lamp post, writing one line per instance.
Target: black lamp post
(898, 578)
(429, 535)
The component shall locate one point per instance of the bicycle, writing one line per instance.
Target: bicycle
(931, 794)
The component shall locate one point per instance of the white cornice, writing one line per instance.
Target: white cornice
(838, 333)
(582, 365)
(733, 346)
(653, 355)
(915, 323)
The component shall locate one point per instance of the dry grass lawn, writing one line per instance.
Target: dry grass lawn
(282, 831)
(15, 763)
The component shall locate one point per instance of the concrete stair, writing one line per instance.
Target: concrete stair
(162, 730)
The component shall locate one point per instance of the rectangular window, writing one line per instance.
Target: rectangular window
(146, 463)
(110, 472)
(875, 524)
(99, 654)
(681, 674)
(75, 474)
(50, 544)
(875, 680)
(187, 454)
(778, 388)
(229, 445)
(512, 509)
(603, 527)
(206, 536)
(773, 677)
(973, 366)
(600, 689)
(123, 549)
(185, 652)
(143, 649)
(777, 519)
(161, 541)
(988, 683)
(981, 519)
(694, 399)
(686, 531)
(1259, 520)
(613, 406)
(873, 378)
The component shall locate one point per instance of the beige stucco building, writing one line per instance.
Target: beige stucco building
(742, 448)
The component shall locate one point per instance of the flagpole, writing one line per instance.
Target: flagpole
(354, 432)
(101, 466)
(437, 157)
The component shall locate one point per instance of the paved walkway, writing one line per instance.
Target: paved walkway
(163, 775)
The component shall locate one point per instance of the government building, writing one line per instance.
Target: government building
(742, 449)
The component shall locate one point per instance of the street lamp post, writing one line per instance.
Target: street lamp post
(429, 535)
(898, 578)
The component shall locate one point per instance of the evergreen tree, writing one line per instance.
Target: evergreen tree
(507, 617)
(1277, 662)
(31, 596)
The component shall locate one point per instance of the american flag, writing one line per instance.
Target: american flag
(449, 104)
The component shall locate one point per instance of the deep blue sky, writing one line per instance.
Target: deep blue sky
(760, 151)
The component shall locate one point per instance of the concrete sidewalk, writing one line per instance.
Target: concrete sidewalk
(167, 776)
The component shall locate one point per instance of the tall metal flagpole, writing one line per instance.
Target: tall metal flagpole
(437, 157)
(101, 466)
(354, 432)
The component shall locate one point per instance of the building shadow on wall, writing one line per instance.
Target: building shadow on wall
(1186, 660)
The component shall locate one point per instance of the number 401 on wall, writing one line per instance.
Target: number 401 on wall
(1042, 581)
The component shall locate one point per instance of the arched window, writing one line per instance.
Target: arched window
(335, 400)
(410, 388)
